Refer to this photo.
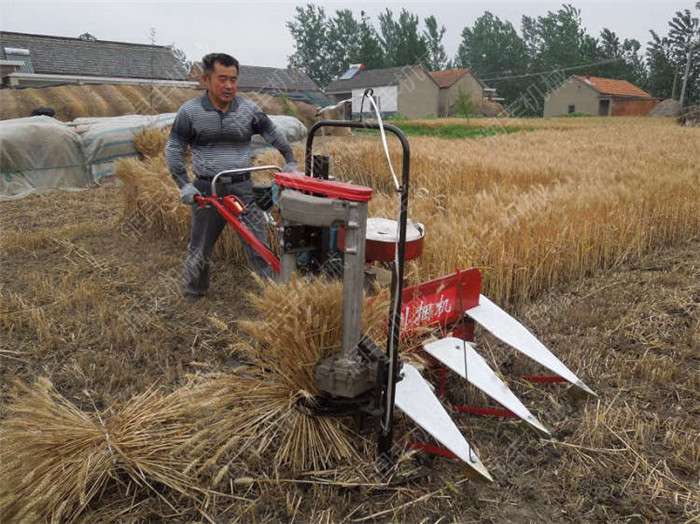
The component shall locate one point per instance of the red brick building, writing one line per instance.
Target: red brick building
(599, 96)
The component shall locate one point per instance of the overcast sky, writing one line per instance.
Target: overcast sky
(255, 32)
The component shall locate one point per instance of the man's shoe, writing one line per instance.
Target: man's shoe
(192, 297)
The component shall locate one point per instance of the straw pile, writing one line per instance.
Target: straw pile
(73, 101)
(56, 459)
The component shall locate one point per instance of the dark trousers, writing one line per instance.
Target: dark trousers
(207, 225)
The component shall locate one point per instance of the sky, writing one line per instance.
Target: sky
(255, 32)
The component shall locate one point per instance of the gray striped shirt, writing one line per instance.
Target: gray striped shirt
(218, 140)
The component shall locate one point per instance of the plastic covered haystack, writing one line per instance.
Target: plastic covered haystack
(291, 128)
(107, 139)
(39, 154)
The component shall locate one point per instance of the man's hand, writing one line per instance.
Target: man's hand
(290, 167)
(187, 193)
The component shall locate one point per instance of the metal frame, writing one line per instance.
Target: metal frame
(384, 442)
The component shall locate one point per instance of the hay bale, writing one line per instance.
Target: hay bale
(109, 138)
(305, 112)
(39, 154)
(491, 109)
(289, 127)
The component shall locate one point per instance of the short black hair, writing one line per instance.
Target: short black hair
(225, 60)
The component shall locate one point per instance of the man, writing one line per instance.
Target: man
(218, 127)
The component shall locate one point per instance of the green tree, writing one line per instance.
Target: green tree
(667, 57)
(309, 29)
(625, 60)
(436, 58)
(369, 51)
(558, 39)
(555, 42)
(662, 69)
(344, 44)
(492, 47)
(401, 41)
(464, 106)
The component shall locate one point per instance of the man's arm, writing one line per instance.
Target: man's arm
(181, 135)
(262, 125)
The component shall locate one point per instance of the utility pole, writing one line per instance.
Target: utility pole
(685, 76)
(675, 82)
(689, 55)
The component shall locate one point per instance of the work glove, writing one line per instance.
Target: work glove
(187, 194)
(290, 167)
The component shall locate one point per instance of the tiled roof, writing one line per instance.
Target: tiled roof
(448, 77)
(259, 77)
(371, 78)
(610, 86)
(73, 56)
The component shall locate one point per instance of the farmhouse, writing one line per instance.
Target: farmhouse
(453, 82)
(32, 60)
(408, 90)
(293, 83)
(598, 96)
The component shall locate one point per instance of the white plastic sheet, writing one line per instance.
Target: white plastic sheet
(39, 154)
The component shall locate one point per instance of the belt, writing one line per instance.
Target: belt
(227, 179)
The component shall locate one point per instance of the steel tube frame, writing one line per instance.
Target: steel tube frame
(384, 442)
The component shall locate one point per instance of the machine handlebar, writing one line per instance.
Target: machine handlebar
(238, 171)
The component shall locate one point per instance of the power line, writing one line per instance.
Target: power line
(572, 68)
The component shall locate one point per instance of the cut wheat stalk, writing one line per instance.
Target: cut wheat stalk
(57, 459)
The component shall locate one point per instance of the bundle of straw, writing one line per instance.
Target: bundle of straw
(56, 459)
(253, 412)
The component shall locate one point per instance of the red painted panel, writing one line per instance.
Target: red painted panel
(339, 190)
(441, 301)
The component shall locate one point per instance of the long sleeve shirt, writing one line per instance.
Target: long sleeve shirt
(218, 140)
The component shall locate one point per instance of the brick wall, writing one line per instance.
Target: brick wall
(632, 106)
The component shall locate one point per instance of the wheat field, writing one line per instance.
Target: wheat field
(592, 196)
(557, 205)
(536, 209)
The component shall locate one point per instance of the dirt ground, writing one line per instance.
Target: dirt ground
(94, 306)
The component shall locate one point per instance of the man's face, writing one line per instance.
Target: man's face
(222, 83)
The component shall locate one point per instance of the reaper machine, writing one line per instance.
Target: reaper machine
(323, 227)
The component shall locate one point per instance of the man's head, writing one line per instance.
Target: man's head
(220, 76)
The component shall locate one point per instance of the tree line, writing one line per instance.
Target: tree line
(546, 50)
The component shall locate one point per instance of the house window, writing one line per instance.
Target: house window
(572, 108)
